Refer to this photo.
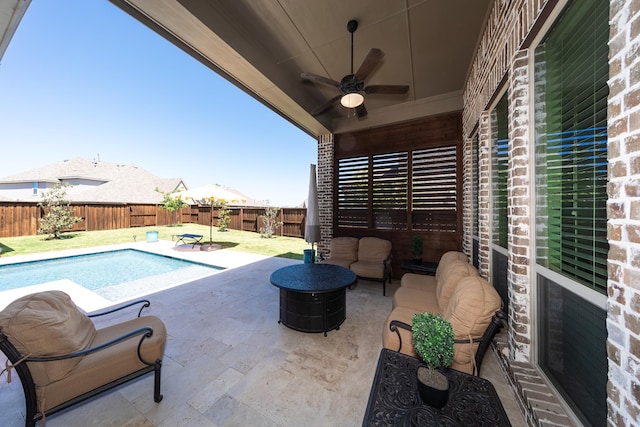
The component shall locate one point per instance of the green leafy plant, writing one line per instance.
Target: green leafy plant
(416, 246)
(270, 224)
(58, 216)
(172, 203)
(433, 340)
(224, 217)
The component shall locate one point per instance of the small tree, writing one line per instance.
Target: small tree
(270, 224)
(224, 217)
(59, 215)
(172, 203)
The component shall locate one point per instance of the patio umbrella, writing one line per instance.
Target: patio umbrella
(210, 195)
(312, 229)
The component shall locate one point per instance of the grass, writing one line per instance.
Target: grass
(243, 241)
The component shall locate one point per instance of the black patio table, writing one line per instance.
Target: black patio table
(394, 398)
(312, 296)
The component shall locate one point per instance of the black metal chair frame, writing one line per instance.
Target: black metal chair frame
(29, 387)
(485, 340)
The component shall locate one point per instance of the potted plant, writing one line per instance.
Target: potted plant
(433, 340)
(416, 249)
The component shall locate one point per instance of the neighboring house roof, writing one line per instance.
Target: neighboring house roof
(113, 183)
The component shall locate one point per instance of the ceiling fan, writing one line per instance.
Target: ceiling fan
(352, 88)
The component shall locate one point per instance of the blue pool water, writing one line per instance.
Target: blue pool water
(92, 271)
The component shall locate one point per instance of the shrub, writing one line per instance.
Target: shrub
(58, 216)
(224, 217)
(433, 339)
(270, 224)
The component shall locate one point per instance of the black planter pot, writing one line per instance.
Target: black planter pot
(434, 395)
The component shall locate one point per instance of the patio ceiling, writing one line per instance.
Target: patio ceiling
(264, 46)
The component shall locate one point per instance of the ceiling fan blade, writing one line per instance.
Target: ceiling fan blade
(361, 110)
(316, 78)
(322, 108)
(387, 89)
(373, 58)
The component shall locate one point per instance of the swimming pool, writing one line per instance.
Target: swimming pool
(96, 271)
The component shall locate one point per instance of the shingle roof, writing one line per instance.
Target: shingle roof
(118, 183)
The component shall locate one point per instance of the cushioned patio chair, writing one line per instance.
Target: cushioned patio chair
(343, 252)
(374, 260)
(62, 359)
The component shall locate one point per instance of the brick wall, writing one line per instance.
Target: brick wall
(325, 190)
(623, 322)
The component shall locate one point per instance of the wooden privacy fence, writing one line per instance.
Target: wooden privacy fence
(22, 219)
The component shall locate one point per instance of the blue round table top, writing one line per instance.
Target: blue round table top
(313, 278)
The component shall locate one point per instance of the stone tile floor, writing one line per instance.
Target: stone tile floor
(229, 363)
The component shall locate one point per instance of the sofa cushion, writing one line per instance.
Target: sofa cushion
(470, 309)
(373, 249)
(390, 339)
(449, 279)
(111, 363)
(416, 299)
(418, 281)
(344, 249)
(47, 324)
(448, 257)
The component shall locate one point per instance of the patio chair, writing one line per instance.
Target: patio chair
(343, 252)
(374, 260)
(62, 359)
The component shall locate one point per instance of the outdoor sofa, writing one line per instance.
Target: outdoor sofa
(461, 296)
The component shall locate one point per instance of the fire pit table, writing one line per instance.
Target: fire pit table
(313, 296)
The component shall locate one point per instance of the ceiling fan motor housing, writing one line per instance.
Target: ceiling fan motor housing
(350, 84)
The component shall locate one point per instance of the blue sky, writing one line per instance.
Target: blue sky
(84, 79)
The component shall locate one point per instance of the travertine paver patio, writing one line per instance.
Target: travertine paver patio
(229, 363)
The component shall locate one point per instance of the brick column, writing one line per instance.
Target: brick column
(623, 214)
(484, 194)
(467, 196)
(519, 184)
(325, 190)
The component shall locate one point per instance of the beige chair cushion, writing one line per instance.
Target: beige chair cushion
(448, 257)
(47, 324)
(418, 281)
(470, 309)
(390, 339)
(373, 249)
(343, 252)
(108, 364)
(369, 270)
(449, 280)
(416, 299)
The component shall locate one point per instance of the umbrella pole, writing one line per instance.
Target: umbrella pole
(211, 224)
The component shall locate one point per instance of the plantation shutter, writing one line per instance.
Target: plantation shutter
(389, 196)
(353, 192)
(434, 189)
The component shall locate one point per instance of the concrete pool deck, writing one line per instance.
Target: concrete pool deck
(90, 301)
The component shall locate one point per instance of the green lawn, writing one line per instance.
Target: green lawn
(244, 241)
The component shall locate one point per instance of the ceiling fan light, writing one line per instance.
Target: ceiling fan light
(352, 100)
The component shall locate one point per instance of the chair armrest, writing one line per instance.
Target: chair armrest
(145, 302)
(395, 325)
(146, 332)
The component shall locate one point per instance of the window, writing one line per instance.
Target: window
(500, 170)
(571, 72)
(35, 188)
(499, 176)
